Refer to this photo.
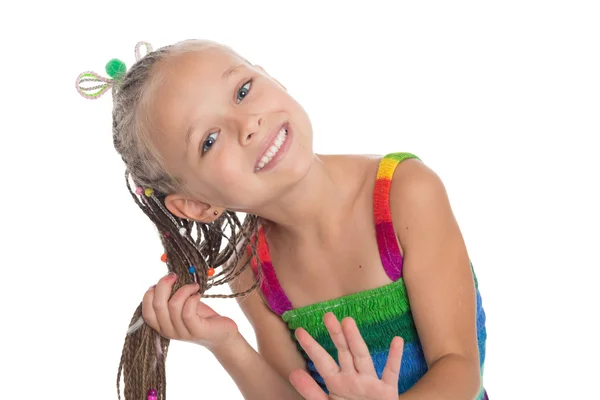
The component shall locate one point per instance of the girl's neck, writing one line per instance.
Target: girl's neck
(318, 204)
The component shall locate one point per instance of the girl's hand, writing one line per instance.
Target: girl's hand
(183, 316)
(355, 377)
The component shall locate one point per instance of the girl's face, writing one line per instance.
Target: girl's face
(218, 123)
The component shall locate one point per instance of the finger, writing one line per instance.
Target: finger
(339, 340)
(322, 360)
(306, 386)
(148, 311)
(360, 352)
(162, 292)
(194, 323)
(391, 372)
(175, 306)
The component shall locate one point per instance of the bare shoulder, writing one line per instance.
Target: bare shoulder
(418, 200)
(415, 181)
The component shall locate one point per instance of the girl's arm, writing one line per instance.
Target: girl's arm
(264, 374)
(439, 282)
(252, 374)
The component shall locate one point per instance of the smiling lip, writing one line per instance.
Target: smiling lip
(268, 142)
(281, 153)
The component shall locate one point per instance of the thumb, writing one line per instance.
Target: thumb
(214, 322)
(205, 311)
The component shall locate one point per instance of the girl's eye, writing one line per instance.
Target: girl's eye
(210, 140)
(243, 91)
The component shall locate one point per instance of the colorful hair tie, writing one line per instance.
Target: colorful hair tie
(148, 47)
(115, 68)
(93, 92)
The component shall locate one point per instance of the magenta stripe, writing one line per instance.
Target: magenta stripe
(276, 298)
(389, 250)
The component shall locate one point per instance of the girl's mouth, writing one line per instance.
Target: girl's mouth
(274, 148)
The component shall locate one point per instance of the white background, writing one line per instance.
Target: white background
(502, 99)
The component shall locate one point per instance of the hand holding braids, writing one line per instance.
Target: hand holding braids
(194, 251)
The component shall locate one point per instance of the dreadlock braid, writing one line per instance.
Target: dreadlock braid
(186, 243)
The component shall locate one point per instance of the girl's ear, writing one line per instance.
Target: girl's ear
(187, 208)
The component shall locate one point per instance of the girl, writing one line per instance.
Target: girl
(368, 241)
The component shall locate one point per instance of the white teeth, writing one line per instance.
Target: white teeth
(272, 151)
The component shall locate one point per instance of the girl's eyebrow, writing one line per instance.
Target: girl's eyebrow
(231, 71)
(189, 134)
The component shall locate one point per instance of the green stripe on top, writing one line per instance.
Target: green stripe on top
(380, 314)
(392, 296)
(366, 308)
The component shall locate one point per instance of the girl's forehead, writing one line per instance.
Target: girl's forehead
(197, 76)
(192, 86)
(210, 64)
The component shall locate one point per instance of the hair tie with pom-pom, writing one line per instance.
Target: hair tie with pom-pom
(115, 68)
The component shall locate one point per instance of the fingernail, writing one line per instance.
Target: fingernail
(152, 287)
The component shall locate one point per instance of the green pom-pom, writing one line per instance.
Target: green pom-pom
(116, 68)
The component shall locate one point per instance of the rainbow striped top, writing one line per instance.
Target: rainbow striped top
(380, 313)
